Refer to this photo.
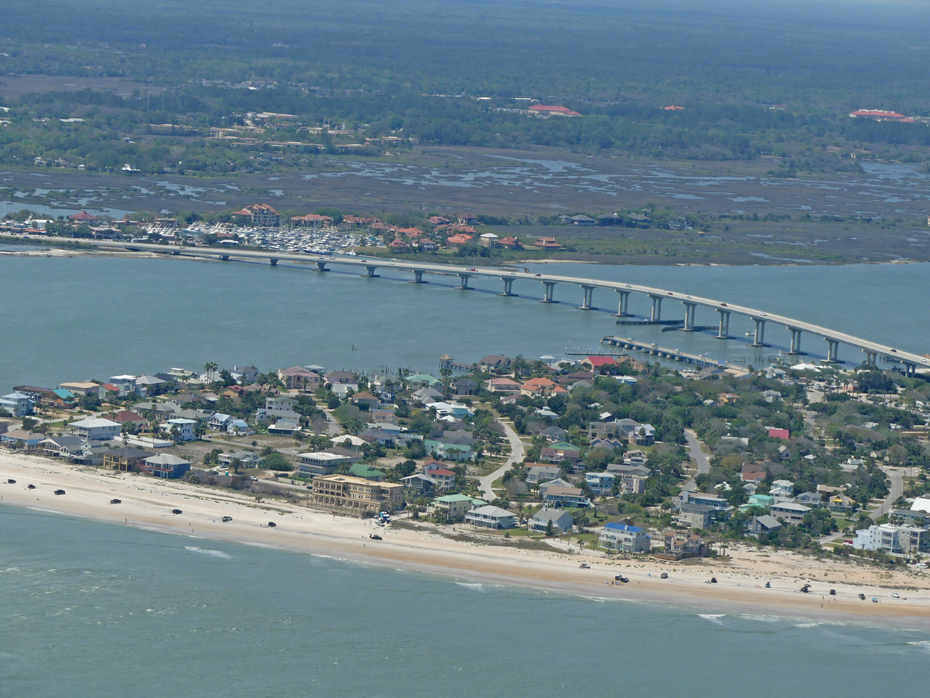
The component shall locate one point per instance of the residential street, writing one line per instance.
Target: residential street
(517, 454)
(701, 458)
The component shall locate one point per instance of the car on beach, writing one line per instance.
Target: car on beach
(116, 501)
(59, 492)
(374, 536)
(621, 578)
(585, 566)
(176, 511)
(30, 487)
(895, 595)
(664, 575)
(227, 519)
(11, 481)
(272, 524)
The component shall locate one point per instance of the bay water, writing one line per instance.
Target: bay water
(74, 318)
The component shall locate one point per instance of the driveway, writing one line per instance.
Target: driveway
(517, 454)
(895, 490)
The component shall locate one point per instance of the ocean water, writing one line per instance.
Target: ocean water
(93, 317)
(101, 610)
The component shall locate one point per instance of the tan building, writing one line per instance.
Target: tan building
(356, 493)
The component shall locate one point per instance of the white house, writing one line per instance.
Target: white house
(16, 404)
(600, 483)
(560, 519)
(96, 429)
(491, 517)
(623, 538)
(186, 428)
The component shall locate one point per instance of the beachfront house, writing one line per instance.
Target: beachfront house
(491, 517)
(125, 459)
(165, 465)
(558, 521)
(453, 507)
(16, 404)
(355, 494)
(622, 538)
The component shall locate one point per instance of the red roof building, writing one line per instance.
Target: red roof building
(547, 244)
(547, 110)
(260, 216)
(83, 217)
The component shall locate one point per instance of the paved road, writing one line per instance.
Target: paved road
(517, 454)
(701, 458)
(896, 475)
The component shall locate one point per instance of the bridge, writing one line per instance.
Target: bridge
(687, 304)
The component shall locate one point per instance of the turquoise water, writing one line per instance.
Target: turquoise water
(76, 318)
(95, 609)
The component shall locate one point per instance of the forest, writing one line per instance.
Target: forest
(777, 80)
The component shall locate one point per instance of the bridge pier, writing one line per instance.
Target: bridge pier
(689, 316)
(274, 261)
(588, 295)
(418, 276)
(656, 308)
(371, 271)
(834, 346)
(624, 303)
(795, 341)
(549, 286)
(508, 286)
(224, 257)
(759, 338)
(463, 286)
(321, 266)
(871, 357)
(910, 370)
(724, 331)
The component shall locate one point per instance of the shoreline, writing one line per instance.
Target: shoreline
(147, 503)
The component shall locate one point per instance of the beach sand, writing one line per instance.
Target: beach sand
(147, 502)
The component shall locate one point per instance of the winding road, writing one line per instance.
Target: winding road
(517, 454)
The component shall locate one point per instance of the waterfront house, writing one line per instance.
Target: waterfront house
(443, 477)
(559, 519)
(464, 386)
(165, 465)
(16, 404)
(623, 538)
(85, 388)
(71, 447)
(337, 377)
(453, 507)
(95, 428)
(502, 385)
(495, 363)
(20, 439)
(125, 459)
(355, 494)
(680, 545)
(491, 517)
(422, 380)
(298, 378)
(427, 396)
(902, 540)
(541, 387)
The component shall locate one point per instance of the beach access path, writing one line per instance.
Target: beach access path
(517, 454)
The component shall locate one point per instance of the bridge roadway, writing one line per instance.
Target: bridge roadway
(872, 350)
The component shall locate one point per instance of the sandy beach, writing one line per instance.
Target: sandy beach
(148, 502)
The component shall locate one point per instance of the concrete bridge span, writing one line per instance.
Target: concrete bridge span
(686, 304)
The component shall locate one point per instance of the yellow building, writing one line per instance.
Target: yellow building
(356, 493)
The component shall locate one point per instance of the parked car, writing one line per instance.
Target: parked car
(30, 487)
(272, 524)
(621, 578)
(11, 481)
(374, 536)
(59, 491)
(227, 519)
(116, 501)
(175, 511)
(664, 575)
